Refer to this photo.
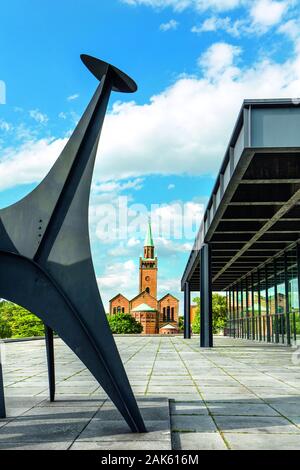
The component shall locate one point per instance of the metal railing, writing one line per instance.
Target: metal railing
(273, 328)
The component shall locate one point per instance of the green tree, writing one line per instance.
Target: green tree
(219, 314)
(123, 323)
(180, 324)
(21, 323)
(5, 330)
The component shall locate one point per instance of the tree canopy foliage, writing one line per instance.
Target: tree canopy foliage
(17, 322)
(219, 313)
(123, 323)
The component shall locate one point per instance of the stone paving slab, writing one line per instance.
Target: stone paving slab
(256, 424)
(263, 441)
(192, 423)
(241, 409)
(241, 394)
(188, 408)
(198, 441)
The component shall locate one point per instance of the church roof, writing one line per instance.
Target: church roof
(143, 308)
(149, 239)
(144, 292)
(168, 295)
(119, 295)
(168, 327)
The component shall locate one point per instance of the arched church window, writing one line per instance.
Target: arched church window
(115, 310)
(123, 310)
(172, 313)
(168, 313)
(164, 314)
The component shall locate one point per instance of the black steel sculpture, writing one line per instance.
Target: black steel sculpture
(45, 256)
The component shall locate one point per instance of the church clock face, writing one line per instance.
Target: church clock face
(147, 278)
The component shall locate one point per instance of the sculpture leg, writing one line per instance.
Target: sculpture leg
(2, 400)
(50, 361)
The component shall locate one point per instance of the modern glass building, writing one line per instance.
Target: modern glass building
(248, 241)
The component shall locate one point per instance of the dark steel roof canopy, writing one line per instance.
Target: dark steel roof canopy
(253, 212)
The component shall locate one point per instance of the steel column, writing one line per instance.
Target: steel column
(267, 307)
(259, 306)
(50, 361)
(252, 309)
(187, 311)
(206, 335)
(298, 275)
(276, 302)
(287, 303)
(234, 312)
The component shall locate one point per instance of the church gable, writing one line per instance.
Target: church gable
(168, 308)
(119, 304)
(143, 298)
(168, 296)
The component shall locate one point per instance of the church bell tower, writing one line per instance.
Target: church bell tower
(148, 265)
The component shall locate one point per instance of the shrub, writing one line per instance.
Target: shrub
(123, 323)
(5, 330)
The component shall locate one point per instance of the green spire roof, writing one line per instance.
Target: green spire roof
(143, 308)
(149, 239)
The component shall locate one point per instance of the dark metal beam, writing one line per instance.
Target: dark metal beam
(50, 361)
(187, 311)
(256, 203)
(206, 336)
(295, 198)
(271, 181)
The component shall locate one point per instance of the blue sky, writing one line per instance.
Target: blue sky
(194, 62)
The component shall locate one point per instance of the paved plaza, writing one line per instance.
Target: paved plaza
(239, 395)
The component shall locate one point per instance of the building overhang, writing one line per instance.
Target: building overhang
(253, 213)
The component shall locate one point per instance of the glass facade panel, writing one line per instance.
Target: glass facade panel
(265, 306)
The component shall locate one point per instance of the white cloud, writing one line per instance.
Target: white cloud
(266, 13)
(169, 285)
(117, 186)
(171, 186)
(118, 275)
(38, 116)
(170, 25)
(214, 23)
(118, 278)
(73, 97)
(167, 136)
(219, 58)
(5, 126)
(116, 222)
(260, 16)
(133, 242)
(291, 29)
(180, 5)
(29, 163)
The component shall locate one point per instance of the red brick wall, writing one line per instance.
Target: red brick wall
(143, 298)
(119, 302)
(171, 302)
(148, 321)
(148, 276)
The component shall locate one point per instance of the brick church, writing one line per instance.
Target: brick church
(157, 316)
